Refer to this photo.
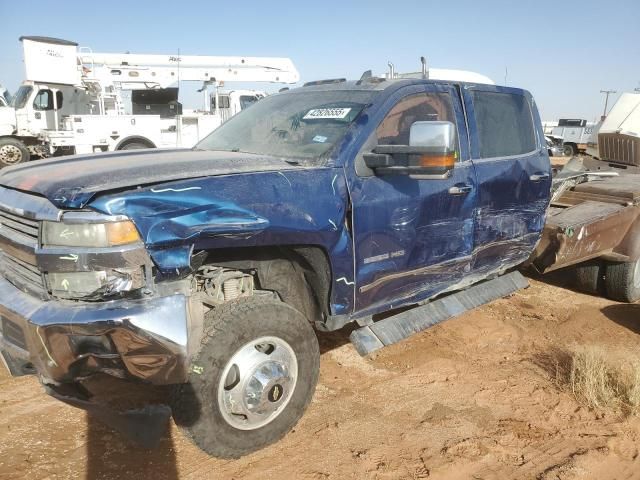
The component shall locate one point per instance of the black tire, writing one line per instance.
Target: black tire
(134, 146)
(13, 152)
(230, 328)
(569, 150)
(287, 278)
(589, 277)
(622, 281)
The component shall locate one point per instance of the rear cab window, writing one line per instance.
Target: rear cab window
(504, 123)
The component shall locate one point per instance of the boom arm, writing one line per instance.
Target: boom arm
(133, 71)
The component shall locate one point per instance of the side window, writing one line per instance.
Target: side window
(223, 101)
(59, 99)
(394, 129)
(43, 100)
(247, 100)
(505, 124)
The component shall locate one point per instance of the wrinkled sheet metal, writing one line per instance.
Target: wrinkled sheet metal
(274, 208)
(149, 336)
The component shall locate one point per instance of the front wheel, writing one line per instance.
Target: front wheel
(12, 152)
(251, 381)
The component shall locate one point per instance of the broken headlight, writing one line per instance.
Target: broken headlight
(89, 235)
(96, 285)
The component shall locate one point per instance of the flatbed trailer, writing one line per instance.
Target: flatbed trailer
(593, 224)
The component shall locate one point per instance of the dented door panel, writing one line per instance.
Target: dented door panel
(513, 194)
(413, 238)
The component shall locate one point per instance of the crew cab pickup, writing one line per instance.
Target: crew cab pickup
(208, 269)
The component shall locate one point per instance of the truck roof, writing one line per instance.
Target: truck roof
(372, 84)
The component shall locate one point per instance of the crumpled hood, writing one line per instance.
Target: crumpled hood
(70, 182)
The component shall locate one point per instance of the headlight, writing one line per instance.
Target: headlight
(89, 234)
(95, 285)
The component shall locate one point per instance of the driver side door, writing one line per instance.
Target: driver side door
(413, 236)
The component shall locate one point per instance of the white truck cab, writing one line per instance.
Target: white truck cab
(72, 102)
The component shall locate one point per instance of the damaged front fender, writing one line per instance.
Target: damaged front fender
(277, 208)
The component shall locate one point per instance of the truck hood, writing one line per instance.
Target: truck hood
(71, 182)
(7, 120)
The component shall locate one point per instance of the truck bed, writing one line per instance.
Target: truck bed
(587, 221)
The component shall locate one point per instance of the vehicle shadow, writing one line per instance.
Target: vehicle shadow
(332, 340)
(112, 456)
(626, 315)
(114, 451)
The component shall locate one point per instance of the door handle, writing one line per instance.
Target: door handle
(537, 177)
(460, 189)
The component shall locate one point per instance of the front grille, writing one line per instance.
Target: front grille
(21, 271)
(615, 147)
(22, 274)
(11, 223)
(13, 334)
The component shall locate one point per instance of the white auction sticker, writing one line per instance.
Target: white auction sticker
(327, 113)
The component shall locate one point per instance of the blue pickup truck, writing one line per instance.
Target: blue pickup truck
(209, 270)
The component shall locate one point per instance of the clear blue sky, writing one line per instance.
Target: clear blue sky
(564, 52)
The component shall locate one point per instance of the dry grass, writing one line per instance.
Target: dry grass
(603, 379)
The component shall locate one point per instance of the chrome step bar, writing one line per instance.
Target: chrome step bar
(402, 325)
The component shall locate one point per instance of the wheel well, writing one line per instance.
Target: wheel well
(312, 261)
(129, 140)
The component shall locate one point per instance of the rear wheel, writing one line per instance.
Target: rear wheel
(622, 281)
(12, 152)
(589, 276)
(252, 379)
(134, 146)
(569, 150)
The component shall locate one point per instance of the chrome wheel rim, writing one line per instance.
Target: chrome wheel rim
(10, 154)
(257, 383)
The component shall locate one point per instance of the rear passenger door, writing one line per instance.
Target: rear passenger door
(513, 174)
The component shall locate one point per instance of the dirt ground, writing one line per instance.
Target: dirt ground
(473, 397)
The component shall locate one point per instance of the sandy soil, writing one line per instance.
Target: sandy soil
(471, 398)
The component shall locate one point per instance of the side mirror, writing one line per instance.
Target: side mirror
(431, 152)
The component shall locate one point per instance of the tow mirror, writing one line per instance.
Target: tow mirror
(431, 152)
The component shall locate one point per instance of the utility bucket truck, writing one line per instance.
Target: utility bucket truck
(72, 99)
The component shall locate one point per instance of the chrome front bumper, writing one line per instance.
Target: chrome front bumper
(63, 342)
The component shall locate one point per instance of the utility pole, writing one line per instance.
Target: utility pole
(606, 100)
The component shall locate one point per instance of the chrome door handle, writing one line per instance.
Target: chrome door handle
(460, 189)
(537, 177)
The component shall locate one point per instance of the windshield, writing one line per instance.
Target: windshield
(21, 97)
(303, 125)
(7, 96)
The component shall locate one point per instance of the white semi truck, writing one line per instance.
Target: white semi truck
(72, 99)
(618, 135)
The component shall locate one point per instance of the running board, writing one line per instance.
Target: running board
(402, 325)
